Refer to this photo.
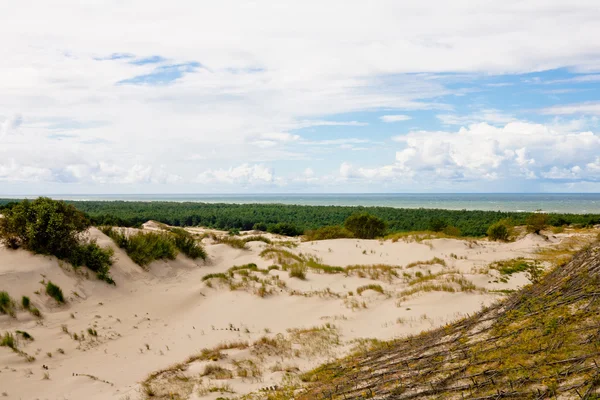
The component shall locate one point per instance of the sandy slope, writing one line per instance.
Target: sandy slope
(155, 318)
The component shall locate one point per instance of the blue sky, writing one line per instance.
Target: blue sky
(227, 97)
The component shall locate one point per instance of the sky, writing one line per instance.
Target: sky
(141, 96)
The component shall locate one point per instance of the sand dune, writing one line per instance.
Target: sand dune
(160, 316)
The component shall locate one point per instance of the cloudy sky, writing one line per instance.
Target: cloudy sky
(142, 96)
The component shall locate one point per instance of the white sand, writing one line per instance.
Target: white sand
(155, 318)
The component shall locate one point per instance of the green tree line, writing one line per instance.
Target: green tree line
(295, 219)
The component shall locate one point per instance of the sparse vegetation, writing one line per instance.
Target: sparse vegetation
(25, 302)
(7, 304)
(55, 292)
(541, 342)
(374, 287)
(298, 271)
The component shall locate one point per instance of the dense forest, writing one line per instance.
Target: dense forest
(286, 218)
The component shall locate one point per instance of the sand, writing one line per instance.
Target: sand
(157, 317)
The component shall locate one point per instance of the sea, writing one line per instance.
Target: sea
(578, 203)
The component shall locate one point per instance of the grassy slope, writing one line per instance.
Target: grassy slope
(543, 342)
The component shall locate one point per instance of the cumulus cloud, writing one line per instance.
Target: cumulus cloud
(518, 150)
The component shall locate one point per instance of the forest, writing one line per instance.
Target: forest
(295, 219)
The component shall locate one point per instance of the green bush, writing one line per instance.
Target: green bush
(260, 226)
(328, 232)
(501, 230)
(7, 305)
(55, 292)
(43, 226)
(285, 228)
(95, 258)
(365, 226)
(143, 248)
(189, 246)
(52, 227)
(537, 222)
(25, 302)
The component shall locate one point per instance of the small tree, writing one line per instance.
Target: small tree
(536, 222)
(500, 230)
(365, 226)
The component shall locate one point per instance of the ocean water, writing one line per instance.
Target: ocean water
(548, 202)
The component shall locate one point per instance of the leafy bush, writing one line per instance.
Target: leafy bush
(55, 292)
(47, 226)
(285, 228)
(43, 226)
(328, 232)
(95, 258)
(365, 226)
(537, 222)
(500, 230)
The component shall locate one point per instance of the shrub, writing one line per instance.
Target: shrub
(52, 227)
(285, 228)
(43, 226)
(365, 226)
(143, 248)
(298, 271)
(501, 230)
(260, 226)
(55, 292)
(7, 305)
(25, 302)
(190, 247)
(95, 258)
(328, 232)
(536, 222)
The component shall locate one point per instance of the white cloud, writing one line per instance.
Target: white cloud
(395, 118)
(591, 108)
(265, 72)
(485, 152)
(243, 174)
